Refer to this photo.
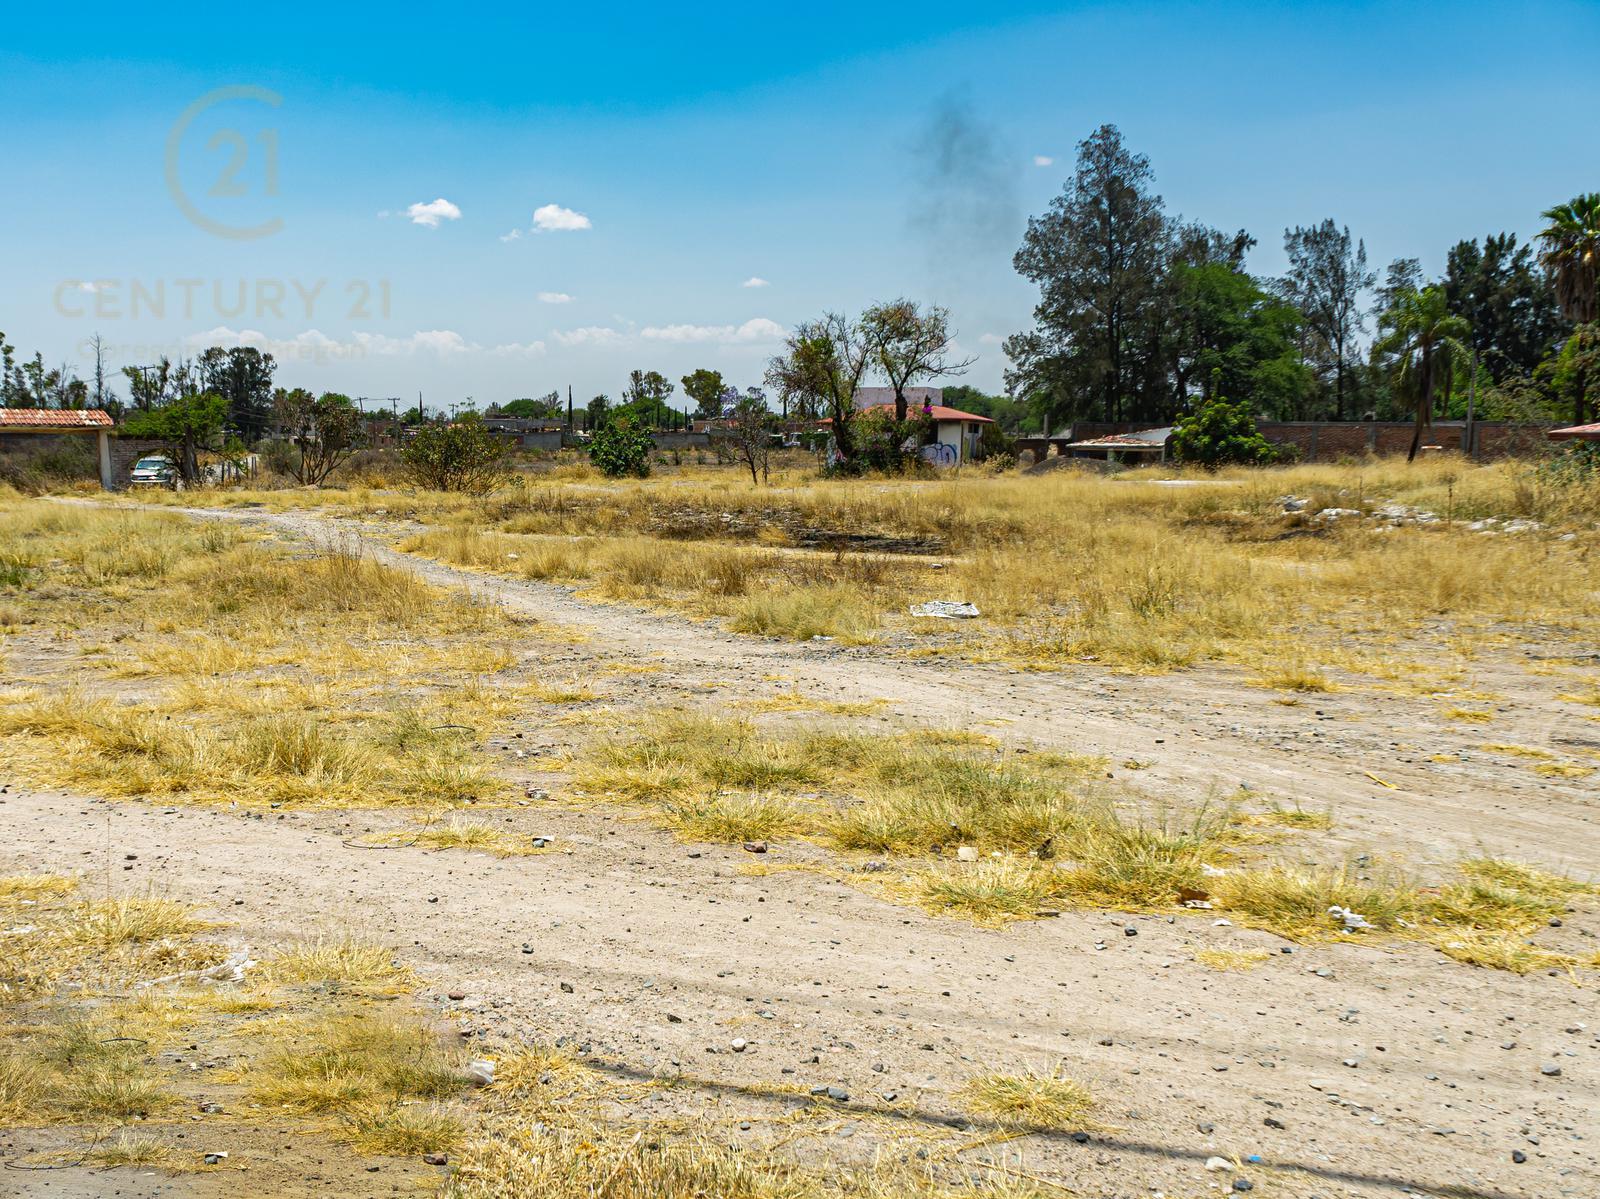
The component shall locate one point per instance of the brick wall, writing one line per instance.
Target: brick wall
(1327, 441)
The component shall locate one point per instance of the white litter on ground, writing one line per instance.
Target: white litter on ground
(946, 609)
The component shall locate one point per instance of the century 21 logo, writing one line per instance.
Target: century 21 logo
(233, 148)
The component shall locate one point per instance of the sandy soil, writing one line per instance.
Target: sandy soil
(1387, 1067)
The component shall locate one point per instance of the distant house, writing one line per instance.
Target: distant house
(953, 428)
(529, 434)
(916, 397)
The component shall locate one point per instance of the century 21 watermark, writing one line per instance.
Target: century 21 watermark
(230, 154)
(222, 170)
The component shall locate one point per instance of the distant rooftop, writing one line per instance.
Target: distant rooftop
(1143, 439)
(1576, 433)
(54, 418)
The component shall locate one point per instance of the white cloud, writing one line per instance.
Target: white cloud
(531, 349)
(552, 218)
(590, 335)
(430, 214)
(441, 341)
(317, 346)
(755, 281)
(512, 236)
(1043, 160)
(991, 339)
(554, 297)
(758, 329)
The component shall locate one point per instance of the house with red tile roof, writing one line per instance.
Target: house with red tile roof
(952, 427)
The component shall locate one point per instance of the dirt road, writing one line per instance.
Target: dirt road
(1349, 1070)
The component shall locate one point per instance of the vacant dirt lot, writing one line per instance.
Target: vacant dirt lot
(1326, 1070)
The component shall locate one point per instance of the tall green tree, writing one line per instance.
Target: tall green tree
(326, 430)
(1423, 345)
(1574, 373)
(35, 385)
(645, 397)
(547, 407)
(184, 424)
(1328, 274)
(705, 388)
(1569, 248)
(8, 364)
(1401, 275)
(243, 377)
(1230, 337)
(1098, 256)
(911, 346)
(153, 385)
(822, 365)
(1498, 290)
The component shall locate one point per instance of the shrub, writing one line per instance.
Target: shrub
(1221, 434)
(621, 449)
(995, 447)
(463, 456)
(883, 443)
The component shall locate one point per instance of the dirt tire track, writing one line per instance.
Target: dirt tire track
(1424, 814)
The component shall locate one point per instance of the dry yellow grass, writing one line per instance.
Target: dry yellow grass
(1143, 577)
(343, 961)
(1281, 817)
(1032, 1100)
(1232, 959)
(260, 675)
(477, 836)
(85, 1030)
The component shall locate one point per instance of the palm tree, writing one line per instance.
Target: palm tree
(1570, 250)
(1425, 345)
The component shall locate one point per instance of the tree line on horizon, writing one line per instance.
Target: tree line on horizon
(1143, 316)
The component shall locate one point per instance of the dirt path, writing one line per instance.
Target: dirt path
(1350, 1070)
(1195, 734)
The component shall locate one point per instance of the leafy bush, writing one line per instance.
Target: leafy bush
(1221, 434)
(1576, 463)
(621, 449)
(883, 443)
(464, 456)
(995, 447)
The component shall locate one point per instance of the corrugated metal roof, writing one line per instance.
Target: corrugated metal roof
(54, 418)
(1144, 439)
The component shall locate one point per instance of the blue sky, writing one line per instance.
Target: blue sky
(838, 154)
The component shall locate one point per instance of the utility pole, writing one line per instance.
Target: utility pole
(1472, 402)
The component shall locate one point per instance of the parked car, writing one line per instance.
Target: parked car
(155, 471)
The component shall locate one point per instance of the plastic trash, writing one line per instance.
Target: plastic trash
(1352, 921)
(947, 609)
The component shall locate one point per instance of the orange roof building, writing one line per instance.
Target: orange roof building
(63, 420)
